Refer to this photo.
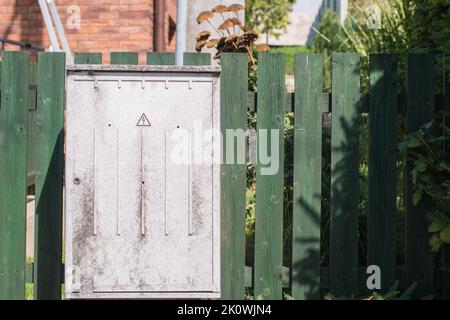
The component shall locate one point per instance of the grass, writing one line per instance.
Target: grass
(290, 55)
(29, 288)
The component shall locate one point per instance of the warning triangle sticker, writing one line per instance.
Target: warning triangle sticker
(143, 121)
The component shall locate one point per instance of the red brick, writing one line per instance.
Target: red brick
(106, 25)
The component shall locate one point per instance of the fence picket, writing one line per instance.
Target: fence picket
(269, 185)
(344, 175)
(124, 58)
(382, 166)
(307, 177)
(49, 175)
(234, 117)
(197, 59)
(13, 173)
(446, 249)
(88, 58)
(420, 110)
(161, 58)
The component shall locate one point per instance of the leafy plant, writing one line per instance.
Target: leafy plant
(269, 17)
(290, 53)
(393, 294)
(430, 176)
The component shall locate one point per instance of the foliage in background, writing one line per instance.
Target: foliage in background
(393, 294)
(356, 36)
(430, 25)
(269, 17)
(329, 39)
(430, 176)
(406, 26)
(290, 53)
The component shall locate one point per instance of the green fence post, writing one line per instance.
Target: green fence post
(307, 177)
(197, 59)
(124, 58)
(269, 181)
(446, 249)
(233, 117)
(49, 175)
(161, 58)
(88, 58)
(13, 173)
(344, 175)
(420, 110)
(382, 166)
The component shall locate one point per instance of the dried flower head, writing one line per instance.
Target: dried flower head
(220, 9)
(212, 43)
(231, 38)
(204, 16)
(200, 44)
(236, 21)
(204, 35)
(226, 25)
(236, 7)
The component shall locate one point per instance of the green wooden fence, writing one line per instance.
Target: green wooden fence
(31, 153)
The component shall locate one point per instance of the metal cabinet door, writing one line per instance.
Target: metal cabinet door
(142, 205)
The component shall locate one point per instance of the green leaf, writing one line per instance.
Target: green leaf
(435, 242)
(445, 234)
(436, 226)
(421, 165)
(417, 196)
(407, 294)
(425, 177)
(414, 142)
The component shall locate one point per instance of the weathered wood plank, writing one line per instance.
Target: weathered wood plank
(197, 59)
(49, 175)
(269, 177)
(124, 58)
(420, 110)
(13, 173)
(233, 202)
(344, 175)
(446, 248)
(88, 58)
(161, 58)
(382, 166)
(307, 177)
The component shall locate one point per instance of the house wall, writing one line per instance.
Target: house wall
(105, 25)
(305, 17)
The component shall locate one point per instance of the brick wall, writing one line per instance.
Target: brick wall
(106, 25)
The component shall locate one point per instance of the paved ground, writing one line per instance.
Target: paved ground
(30, 226)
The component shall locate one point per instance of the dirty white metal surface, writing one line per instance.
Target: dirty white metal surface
(139, 225)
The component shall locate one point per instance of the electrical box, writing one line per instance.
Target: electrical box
(142, 187)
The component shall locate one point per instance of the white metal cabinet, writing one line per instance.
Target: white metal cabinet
(140, 223)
